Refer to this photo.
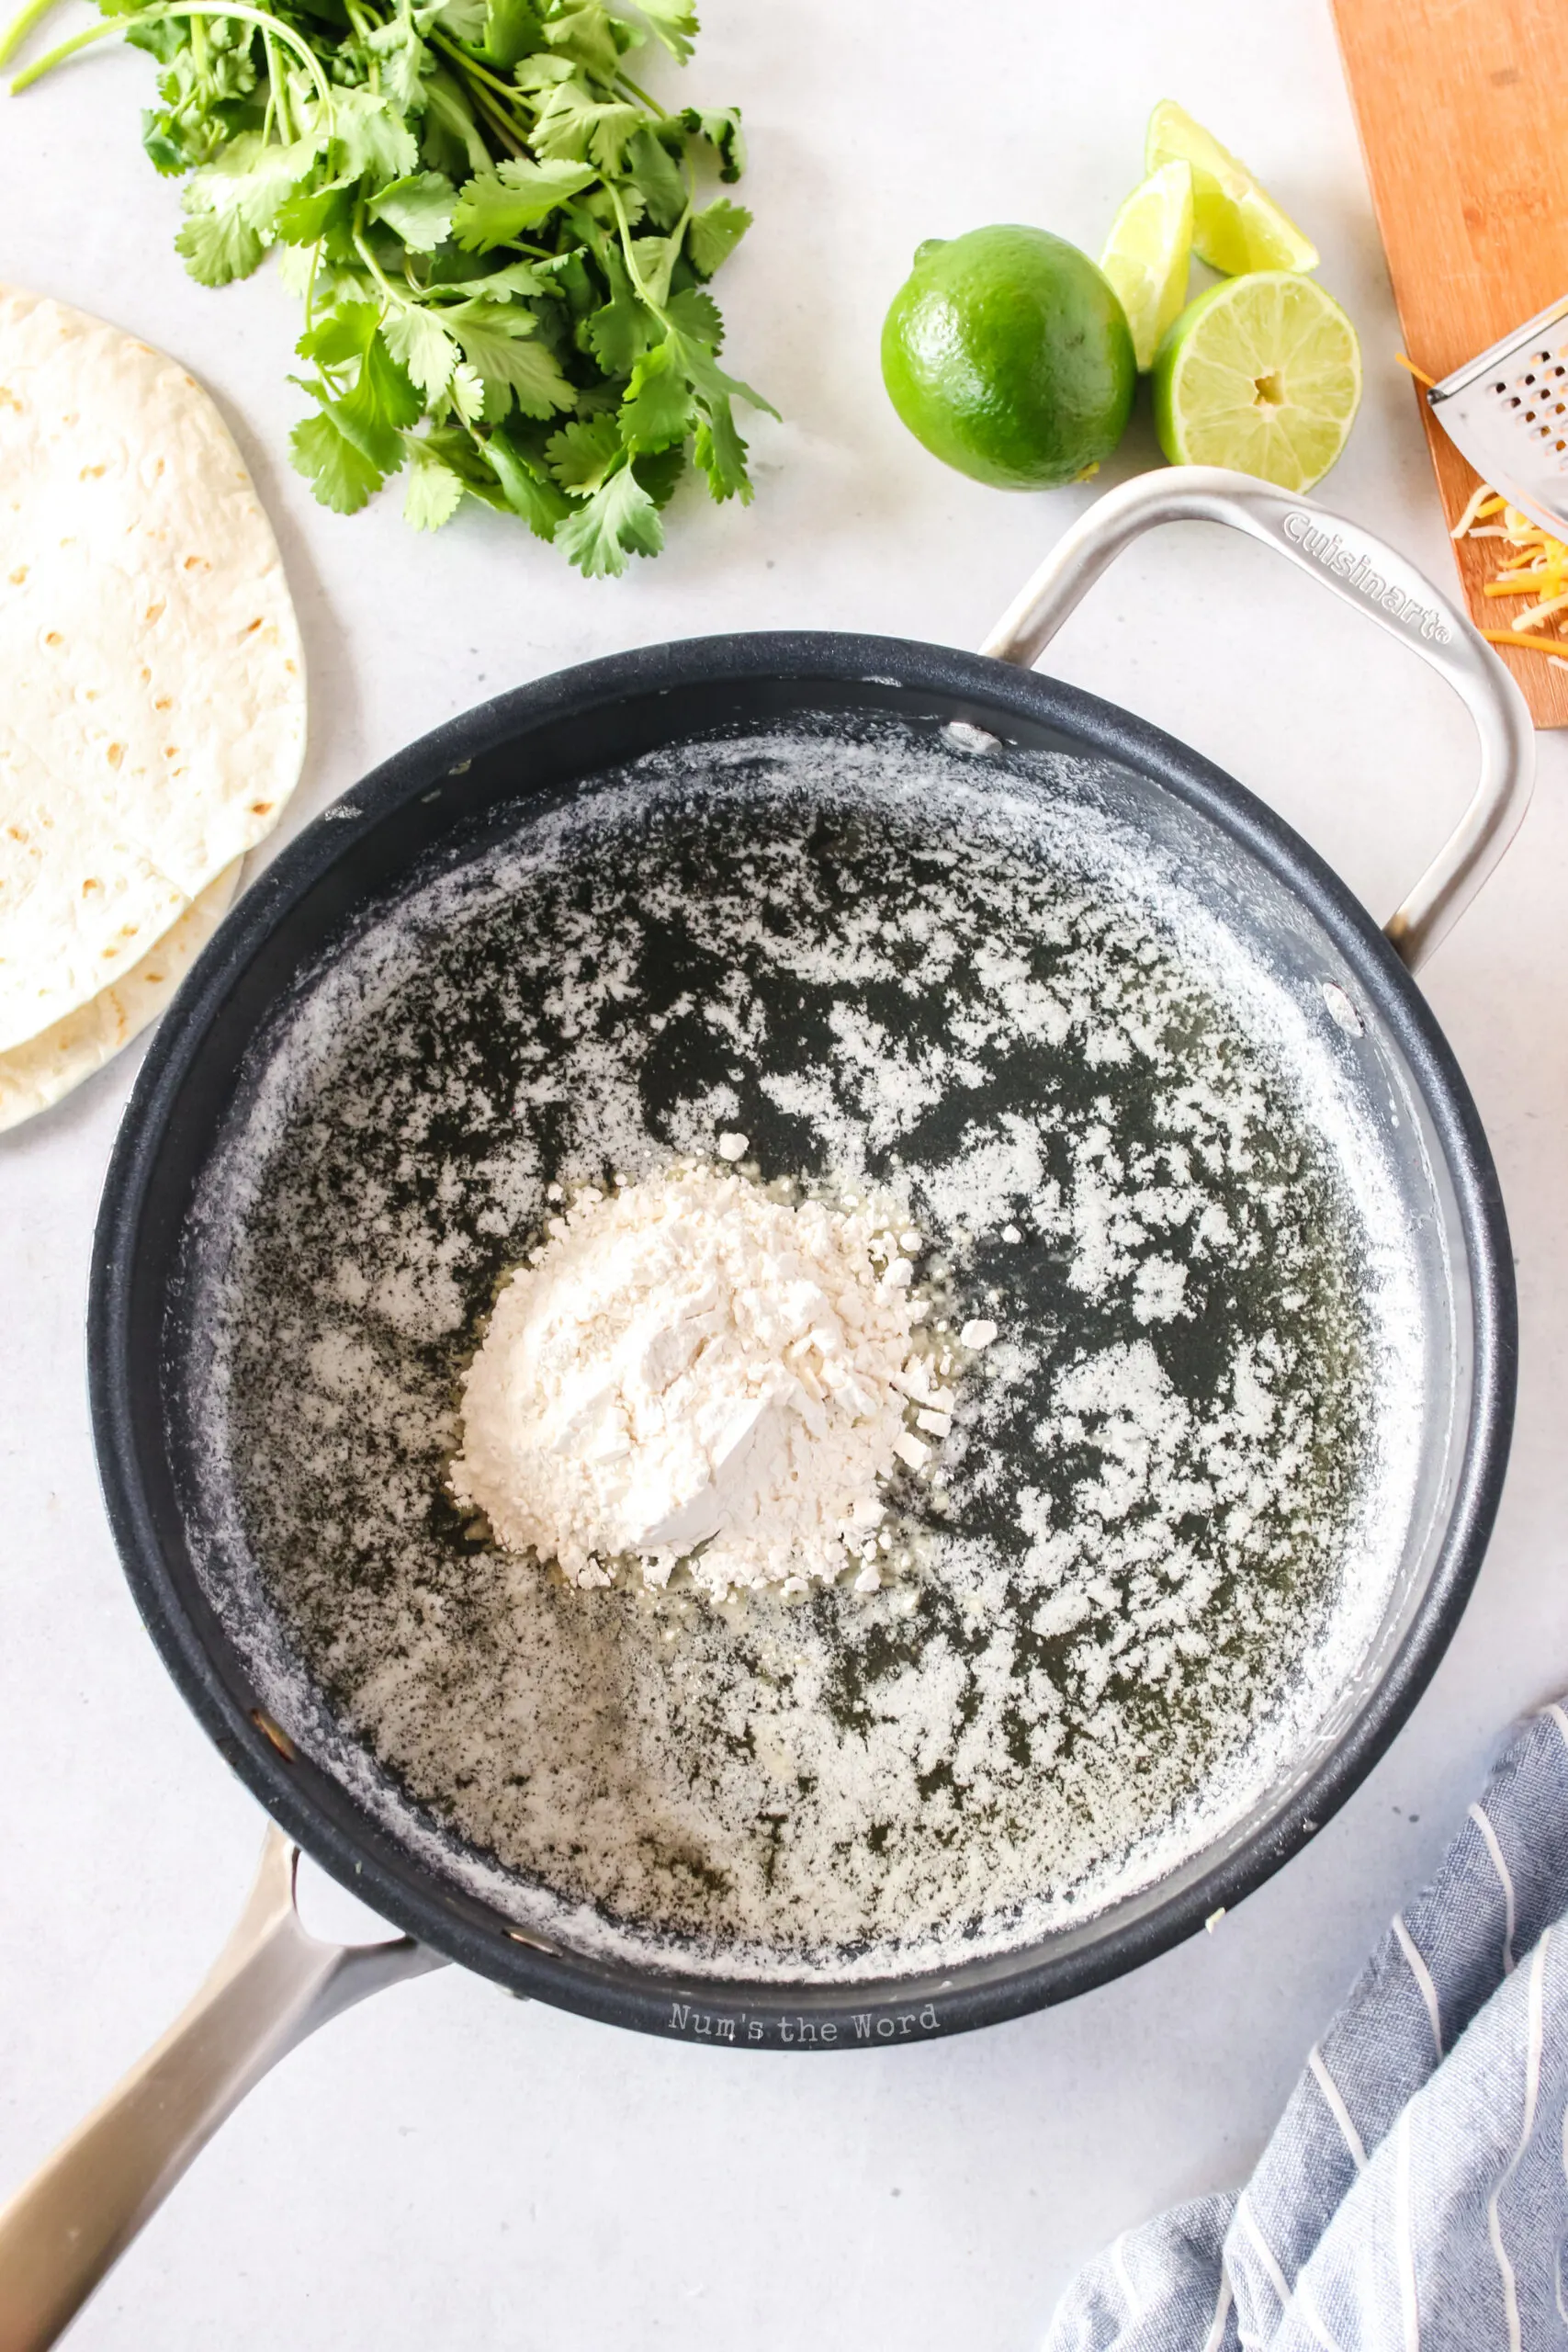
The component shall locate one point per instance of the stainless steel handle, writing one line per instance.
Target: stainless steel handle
(1369, 574)
(273, 1984)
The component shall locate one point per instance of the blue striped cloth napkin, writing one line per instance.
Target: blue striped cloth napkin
(1415, 2194)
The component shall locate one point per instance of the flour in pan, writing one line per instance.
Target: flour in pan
(690, 1375)
(1164, 1527)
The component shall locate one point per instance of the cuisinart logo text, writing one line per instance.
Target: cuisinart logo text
(1328, 549)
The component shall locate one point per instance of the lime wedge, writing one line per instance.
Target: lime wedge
(1236, 224)
(1262, 373)
(1148, 253)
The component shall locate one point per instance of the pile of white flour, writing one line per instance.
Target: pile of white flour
(689, 1361)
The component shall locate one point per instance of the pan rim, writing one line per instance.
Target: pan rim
(739, 2012)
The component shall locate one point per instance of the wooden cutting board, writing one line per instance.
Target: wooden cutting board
(1462, 107)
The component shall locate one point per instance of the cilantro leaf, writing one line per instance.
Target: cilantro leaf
(370, 137)
(696, 314)
(418, 340)
(710, 378)
(165, 151)
(434, 492)
(512, 29)
(720, 453)
(160, 39)
(304, 218)
(250, 178)
(467, 393)
(722, 133)
(618, 521)
(528, 488)
(657, 176)
(620, 332)
(657, 411)
(497, 207)
(539, 75)
(463, 19)
(674, 22)
(516, 278)
(418, 207)
(403, 61)
(382, 402)
(587, 34)
(341, 476)
(713, 234)
(659, 471)
(655, 258)
(573, 126)
(580, 455)
(493, 340)
(340, 334)
(218, 247)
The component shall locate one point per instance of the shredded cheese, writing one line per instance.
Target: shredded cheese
(1536, 570)
(1553, 645)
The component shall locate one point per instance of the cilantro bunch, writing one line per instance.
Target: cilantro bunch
(502, 244)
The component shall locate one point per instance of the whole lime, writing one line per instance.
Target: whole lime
(1007, 353)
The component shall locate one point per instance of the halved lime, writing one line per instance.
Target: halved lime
(1148, 253)
(1237, 225)
(1262, 373)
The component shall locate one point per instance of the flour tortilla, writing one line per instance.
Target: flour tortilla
(153, 722)
(35, 1076)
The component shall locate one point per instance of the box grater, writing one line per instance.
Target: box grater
(1506, 411)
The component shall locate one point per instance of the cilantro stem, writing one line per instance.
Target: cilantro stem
(471, 65)
(479, 85)
(56, 56)
(641, 95)
(361, 34)
(401, 302)
(176, 9)
(499, 128)
(21, 25)
(277, 94)
(633, 272)
(310, 285)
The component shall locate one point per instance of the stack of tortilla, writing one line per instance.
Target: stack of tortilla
(152, 713)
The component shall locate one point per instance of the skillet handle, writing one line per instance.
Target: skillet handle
(1368, 573)
(273, 1984)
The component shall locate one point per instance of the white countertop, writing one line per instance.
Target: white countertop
(445, 2168)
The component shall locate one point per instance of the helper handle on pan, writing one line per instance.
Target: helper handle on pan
(1369, 574)
(273, 1984)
